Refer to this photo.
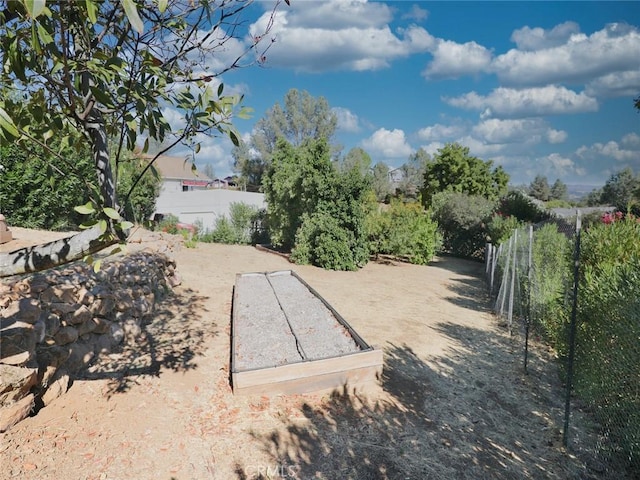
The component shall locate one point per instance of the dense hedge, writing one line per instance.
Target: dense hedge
(608, 339)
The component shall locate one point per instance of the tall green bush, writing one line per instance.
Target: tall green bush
(35, 194)
(501, 227)
(310, 202)
(524, 208)
(608, 338)
(404, 230)
(550, 284)
(462, 222)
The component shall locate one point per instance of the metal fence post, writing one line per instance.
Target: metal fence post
(572, 333)
(527, 322)
(513, 281)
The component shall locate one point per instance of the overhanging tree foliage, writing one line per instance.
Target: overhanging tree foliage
(107, 70)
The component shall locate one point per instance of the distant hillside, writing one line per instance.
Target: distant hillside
(576, 192)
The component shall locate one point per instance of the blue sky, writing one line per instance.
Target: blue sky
(537, 87)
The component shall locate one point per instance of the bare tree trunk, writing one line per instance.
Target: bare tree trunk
(58, 252)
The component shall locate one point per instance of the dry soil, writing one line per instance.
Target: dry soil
(453, 401)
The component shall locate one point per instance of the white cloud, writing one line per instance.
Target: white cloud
(338, 35)
(480, 148)
(174, 118)
(527, 38)
(578, 60)
(527, 102)
(452, 60)
(416, 13)
(622, 84)
(387, 143)
(337, 14)
(440, 132)
(612, 151)
(432, 147)
(524, 131)
(631, 141)
(347, 120)
(556, 165)
(556, 136)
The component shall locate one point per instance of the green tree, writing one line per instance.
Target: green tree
(140, 203)
(35, 193)
(380, 181)
(314, 209)
(106, 71)
(539, 188)
(462, 221)
(297, 179)
(303, 117)
(412, 174)
(621, 189)
(454, 170)
(559, 190)
(357, 158)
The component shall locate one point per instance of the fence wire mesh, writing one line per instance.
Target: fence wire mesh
(531, 281)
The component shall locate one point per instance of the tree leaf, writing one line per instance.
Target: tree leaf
(35, 7)
(7, 124)
(97, 265)
(132, 14)
(111, 213)
(92, 11)
(44, 36)
(103, 226)
(234, 138)
(126, 225)
(86, 209)
(162, 5)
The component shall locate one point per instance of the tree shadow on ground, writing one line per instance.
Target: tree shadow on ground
(170, 338)
(469, 414)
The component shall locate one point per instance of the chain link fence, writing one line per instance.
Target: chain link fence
(578, 290)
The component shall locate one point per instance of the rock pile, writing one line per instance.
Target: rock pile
(54, 324)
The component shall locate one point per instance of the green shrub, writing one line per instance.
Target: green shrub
(501, 227)
(524, 208)
(243, 227)
(33, 192)
(302, 185)
(551, 278)
(608, 338)
(462, 222)
(321, 241)
(403, 230)
(169, 224)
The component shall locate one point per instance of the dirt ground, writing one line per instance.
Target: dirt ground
(453, 401)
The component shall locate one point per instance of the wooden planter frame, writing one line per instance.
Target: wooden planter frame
(359, 370)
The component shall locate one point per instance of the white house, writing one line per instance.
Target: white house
(194, 197)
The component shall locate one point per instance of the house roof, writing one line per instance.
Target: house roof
(176, 168)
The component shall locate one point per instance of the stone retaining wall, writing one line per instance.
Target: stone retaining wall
(54, 324)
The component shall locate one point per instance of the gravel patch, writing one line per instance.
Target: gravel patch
(261, 333)
(319, 333)
(278, 320)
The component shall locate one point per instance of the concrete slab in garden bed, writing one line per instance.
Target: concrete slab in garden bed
(286, 339)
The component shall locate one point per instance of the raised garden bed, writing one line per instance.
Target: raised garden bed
(287, 339)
